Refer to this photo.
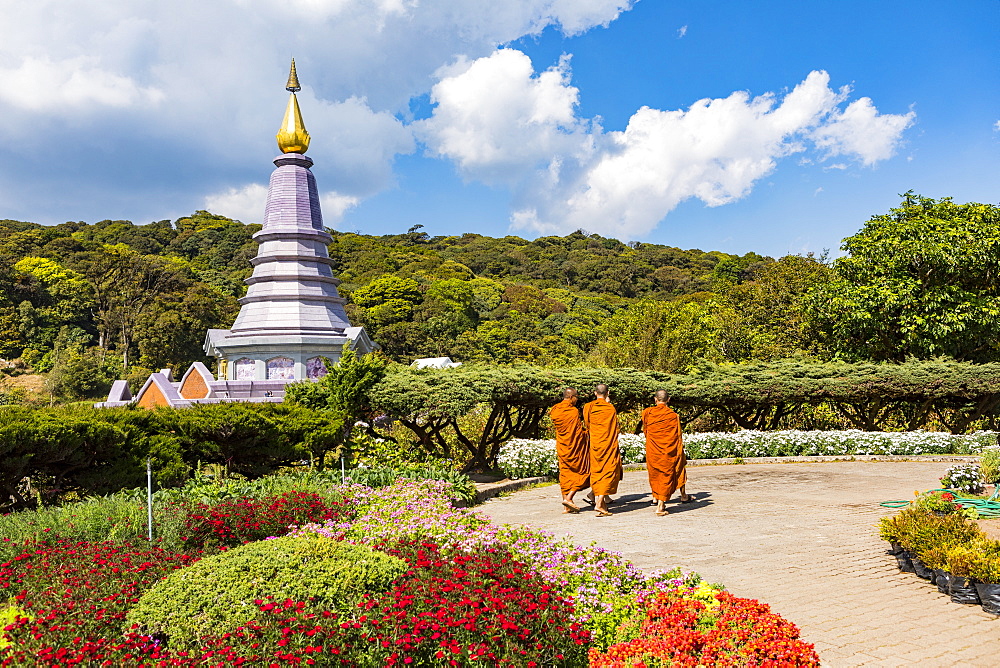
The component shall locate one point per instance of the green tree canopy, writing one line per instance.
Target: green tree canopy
(921, 281)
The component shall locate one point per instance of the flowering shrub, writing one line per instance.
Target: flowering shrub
(528, 458)
(964, 478)
(752, 443)
(683, 632)
(234, 522)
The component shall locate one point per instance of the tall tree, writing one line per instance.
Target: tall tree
(921, 281)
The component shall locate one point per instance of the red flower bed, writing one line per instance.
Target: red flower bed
(482, 609)
(233, 523)
(77, 592)
(683, 633)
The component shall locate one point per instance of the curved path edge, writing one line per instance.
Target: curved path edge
(800, 536)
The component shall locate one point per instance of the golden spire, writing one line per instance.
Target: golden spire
(293, 80)
(292, 137)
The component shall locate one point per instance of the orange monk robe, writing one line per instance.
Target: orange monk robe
(571, 447)
(601, 419)
(665, 460)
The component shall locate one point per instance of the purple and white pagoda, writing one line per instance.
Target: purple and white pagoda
(292, 315)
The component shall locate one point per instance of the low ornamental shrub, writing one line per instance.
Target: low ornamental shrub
(989, 464)
(525, 458)
(529, 458)
(795, 443)
(217, 594)
(963, 478)
(72, 592)
(462, 487)
(683, 632)
(234, 522)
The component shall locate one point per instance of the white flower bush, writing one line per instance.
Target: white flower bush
(964, 478)
(526, 458)
(633, 448)
(752, 443)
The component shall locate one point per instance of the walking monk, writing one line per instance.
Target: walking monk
(665, 459)
(601, 420)
(571, 449)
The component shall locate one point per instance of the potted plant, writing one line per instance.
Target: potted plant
(935, 559)
(888, 530)
(939, 503)
(959, 559)
(985, 570)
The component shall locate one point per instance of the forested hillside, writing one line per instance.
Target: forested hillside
(86, 303)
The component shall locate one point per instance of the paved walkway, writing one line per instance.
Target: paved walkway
(800, 537)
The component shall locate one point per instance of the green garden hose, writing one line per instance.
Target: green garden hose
(986, 508)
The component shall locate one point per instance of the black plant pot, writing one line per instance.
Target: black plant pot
(904, 563)
(942, 579)
(963, 590)
(921, 570)
(989, 596)
(895, 548)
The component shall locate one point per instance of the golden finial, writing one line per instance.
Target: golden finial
(292, 137)
(293, 80)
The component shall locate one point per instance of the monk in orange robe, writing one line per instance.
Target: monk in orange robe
(665, 460)
(601, 420)
(572, 449)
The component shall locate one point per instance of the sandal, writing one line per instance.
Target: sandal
(689, 499)
(570, 506)
(661, 513)
(604, 513)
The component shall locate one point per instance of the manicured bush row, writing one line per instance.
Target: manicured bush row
(525, 458)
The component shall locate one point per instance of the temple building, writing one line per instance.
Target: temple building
(292, 315)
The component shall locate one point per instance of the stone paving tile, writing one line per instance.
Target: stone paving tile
(801, 537)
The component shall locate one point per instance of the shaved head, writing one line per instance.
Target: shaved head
(569, 393)
(661, 395)
(601, 390)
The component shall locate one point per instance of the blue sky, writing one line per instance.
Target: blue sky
(776, 127)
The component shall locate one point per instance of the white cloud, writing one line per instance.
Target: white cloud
(862, 132)
(56, 87)
(245, 204)
(494, 118)
(996, 126)
(205, 78)
(335, 205)
(499, 121)
(683, 30)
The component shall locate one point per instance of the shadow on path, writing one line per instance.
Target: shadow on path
(629, 503)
